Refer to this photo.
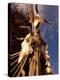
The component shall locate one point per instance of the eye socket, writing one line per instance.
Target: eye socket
(27, 40)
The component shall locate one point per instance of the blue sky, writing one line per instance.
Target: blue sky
(50, 34)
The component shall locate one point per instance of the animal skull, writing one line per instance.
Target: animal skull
(26, 47)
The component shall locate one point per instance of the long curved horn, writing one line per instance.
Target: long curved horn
(44, 20)
(48, 22)
(36, 7)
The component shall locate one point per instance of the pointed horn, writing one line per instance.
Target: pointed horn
(36, 9)
(48, 22)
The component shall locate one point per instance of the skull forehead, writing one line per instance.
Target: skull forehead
(29, 37)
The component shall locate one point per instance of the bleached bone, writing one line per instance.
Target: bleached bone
(48, 69)
(26, 47)
(48, 63)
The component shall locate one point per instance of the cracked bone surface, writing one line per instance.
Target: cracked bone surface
(26, 47)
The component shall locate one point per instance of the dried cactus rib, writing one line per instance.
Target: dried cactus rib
(22, 65)
(15, 54)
